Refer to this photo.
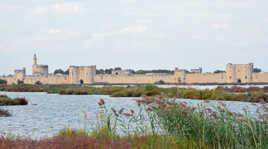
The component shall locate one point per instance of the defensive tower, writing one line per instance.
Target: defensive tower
(239, 73)
(39, 69)
(82, 74)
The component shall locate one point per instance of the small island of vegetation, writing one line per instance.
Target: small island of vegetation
(6, 101)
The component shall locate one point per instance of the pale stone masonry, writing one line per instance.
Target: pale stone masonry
(235, 73)
(39, 69)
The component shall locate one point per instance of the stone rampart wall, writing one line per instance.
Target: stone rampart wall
(9, 79)
(142, 79)
(260, 77)
(87, 75)
(205, 78)
(50, 79)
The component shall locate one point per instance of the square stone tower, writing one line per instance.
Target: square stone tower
(82, 74)
(180, 75)
(20, 74)
(239, 73)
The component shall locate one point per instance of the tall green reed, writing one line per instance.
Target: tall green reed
(214, 126)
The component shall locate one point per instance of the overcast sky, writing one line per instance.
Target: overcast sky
(136, 34)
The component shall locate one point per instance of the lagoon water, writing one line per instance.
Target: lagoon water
(47, 114)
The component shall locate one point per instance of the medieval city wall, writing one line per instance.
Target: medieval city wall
(144, 79)
(205, 78)
(10, 79)
(261, 77)
(131, 79)
(235, 73)
(49, 79)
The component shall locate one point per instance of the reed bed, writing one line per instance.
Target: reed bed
(204, 126)
(216, 126)
(239, 89)
(165, 123)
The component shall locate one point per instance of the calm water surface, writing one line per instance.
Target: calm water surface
(47, 114)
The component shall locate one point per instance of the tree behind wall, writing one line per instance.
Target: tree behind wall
(60, 71)
(256, 70)
(219, 71)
